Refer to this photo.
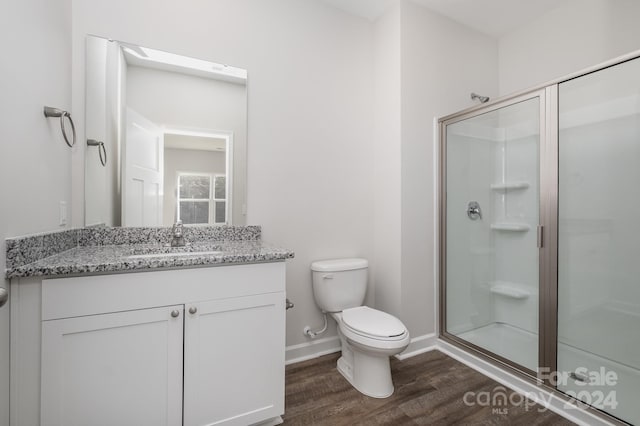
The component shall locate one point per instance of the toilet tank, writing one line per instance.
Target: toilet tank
(339, 284)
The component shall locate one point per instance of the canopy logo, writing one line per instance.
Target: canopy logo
(500, 399)
(584, 387)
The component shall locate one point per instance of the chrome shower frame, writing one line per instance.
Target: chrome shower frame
(548, 239)
(544, 356)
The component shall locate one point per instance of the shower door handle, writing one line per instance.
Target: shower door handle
(473, 210)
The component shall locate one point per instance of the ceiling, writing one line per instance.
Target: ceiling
(369, 9)
(492, 17)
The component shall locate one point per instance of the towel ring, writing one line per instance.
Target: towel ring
(102, 151)
(55, 112)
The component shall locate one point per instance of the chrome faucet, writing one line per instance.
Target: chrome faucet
(178, 237)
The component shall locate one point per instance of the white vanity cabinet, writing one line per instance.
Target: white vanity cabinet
(196, 347)
(118, 368)
(238, 376)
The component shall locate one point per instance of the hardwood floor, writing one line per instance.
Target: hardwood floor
(429, 390)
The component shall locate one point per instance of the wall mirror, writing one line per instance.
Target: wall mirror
(166, 138)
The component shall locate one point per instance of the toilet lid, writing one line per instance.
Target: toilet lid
(373, 322)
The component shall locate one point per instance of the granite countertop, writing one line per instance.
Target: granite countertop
(143, 256)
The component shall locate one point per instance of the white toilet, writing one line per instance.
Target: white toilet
(368, 336)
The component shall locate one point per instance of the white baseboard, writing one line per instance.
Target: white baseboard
(311, 349)
(419, 345)
(539, 395)
(328, 345)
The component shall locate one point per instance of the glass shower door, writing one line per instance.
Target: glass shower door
(492, 210)
(599, 239)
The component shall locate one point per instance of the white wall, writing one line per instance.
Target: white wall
(179, 101)
(417, 52)
(442, 63)
(575, 35)
(186, 160)
(343, 132)
(34, 160)
(386, 263)
(309, 155)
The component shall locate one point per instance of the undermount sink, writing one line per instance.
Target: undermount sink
(163, 251)
(175, 254)
(157, 249)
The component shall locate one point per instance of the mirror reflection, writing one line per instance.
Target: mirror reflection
(174, 131)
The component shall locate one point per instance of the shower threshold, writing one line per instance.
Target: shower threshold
(513, 343)
(521, 346)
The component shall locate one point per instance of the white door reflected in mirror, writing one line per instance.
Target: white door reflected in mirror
(142, 174)
(177, 128)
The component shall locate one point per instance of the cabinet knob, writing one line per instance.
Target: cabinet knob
(193, 310)
(175, 313)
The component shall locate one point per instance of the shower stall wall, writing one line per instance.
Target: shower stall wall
(539, 234)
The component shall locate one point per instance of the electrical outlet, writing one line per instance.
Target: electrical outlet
(63, 213)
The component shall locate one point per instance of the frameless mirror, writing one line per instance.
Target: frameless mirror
(166, 138)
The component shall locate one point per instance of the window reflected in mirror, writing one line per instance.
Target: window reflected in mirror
(201, 199)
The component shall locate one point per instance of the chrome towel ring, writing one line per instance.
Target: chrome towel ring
(102, 151)
(55, 112)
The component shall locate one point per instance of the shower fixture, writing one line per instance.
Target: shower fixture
(482, 99)
(473, 210)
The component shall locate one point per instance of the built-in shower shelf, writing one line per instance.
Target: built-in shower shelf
(509, 185)
(508, 289)
(510, 227)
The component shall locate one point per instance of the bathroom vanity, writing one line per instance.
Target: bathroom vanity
(195, 339)
(115, 325)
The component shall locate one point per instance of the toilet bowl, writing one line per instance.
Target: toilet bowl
(368, 336)
(366, 348)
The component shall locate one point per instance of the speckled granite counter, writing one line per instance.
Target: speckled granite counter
(110, 250)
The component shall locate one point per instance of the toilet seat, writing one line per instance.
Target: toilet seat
(372, 324)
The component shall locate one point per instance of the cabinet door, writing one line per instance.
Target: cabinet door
(234, 360)
(121, 368)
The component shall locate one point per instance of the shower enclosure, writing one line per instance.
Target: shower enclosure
(540, 235)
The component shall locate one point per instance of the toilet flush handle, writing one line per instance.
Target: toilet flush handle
(327, 277)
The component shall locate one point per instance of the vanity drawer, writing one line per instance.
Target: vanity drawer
(90, 295)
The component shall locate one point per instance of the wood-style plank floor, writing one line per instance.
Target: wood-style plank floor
(429, 390)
